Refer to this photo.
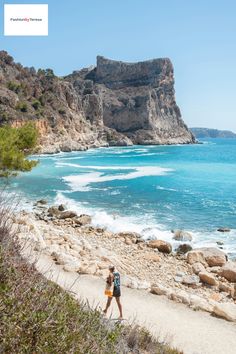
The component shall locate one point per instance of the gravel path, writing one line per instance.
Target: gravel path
(194, 332)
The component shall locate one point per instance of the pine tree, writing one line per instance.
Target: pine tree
(15, 145)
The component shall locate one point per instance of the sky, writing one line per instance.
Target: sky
(198, 36)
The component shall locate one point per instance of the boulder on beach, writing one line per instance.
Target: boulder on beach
(181, 235)
(53, 211)
(162, 246)
(83, 219)
(226, 311)
(191, 280)
(61, 207)
(198, 303)
(135, 283)
(208, 278)
(159, 289)
(152, 257)
(68, 214)
(184, 248)
(228, 271)
(198, 267)
(129, 234)
(226, 287)
(207, 256)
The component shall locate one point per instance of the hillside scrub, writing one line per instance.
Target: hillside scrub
(37, 316)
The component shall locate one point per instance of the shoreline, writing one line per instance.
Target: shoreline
(105, 146)
(194, 279)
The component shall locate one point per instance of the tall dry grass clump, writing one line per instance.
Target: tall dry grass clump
(37, 316)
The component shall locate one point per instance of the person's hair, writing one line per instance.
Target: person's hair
(112, 268)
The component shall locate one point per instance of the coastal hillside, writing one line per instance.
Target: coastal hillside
(212, 133)
(112, 104)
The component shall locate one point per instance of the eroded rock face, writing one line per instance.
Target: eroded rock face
(135, 100)
(112, 104)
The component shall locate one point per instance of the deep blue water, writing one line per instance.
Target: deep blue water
(150, 189)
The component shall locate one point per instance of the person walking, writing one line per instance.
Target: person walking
(113, 290)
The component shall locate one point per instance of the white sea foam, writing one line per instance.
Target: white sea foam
(81, 182)
(115, 222)
(167, 189)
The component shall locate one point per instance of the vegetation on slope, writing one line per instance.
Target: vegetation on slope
(37, 316)
(15, 145)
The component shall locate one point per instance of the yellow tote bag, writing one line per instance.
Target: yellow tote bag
(108, 290)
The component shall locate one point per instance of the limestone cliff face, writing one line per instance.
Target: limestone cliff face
(138, 100)
(114, 103)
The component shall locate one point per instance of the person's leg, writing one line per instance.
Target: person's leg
(108, 304)
(119, 306)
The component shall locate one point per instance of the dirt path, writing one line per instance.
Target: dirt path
(194, 332)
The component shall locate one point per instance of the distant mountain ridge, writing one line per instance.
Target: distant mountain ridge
(212, 133)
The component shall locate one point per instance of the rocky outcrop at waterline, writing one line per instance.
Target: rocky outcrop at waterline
(112, 104)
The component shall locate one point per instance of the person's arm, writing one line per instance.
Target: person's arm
(110, 279)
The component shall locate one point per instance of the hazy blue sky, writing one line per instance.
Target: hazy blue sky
(198, 36)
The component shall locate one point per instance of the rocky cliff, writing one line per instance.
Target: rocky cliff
(114, 103)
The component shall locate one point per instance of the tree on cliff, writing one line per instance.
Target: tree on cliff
(15, 145)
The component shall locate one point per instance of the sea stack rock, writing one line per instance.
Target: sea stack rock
(139, 101)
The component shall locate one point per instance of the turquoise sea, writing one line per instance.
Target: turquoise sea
(149, 189)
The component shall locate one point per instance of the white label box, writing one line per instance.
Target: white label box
(25, 19)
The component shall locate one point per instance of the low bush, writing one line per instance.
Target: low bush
(22, 106)
(62, 111)
(14, 86)
(36, 104)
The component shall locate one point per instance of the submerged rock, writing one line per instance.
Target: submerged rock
(41, 201)
(184, 248)
(223, 229)
(181, 235)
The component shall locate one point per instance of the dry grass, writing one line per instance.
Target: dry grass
(37, 316)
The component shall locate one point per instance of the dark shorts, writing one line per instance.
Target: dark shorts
(116, 292)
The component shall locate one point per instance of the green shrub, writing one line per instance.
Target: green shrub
(22, 106)
(36, 104)
(14, 86)
(4, 117)
(42, 100)
(62, 111)
(46, 72)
